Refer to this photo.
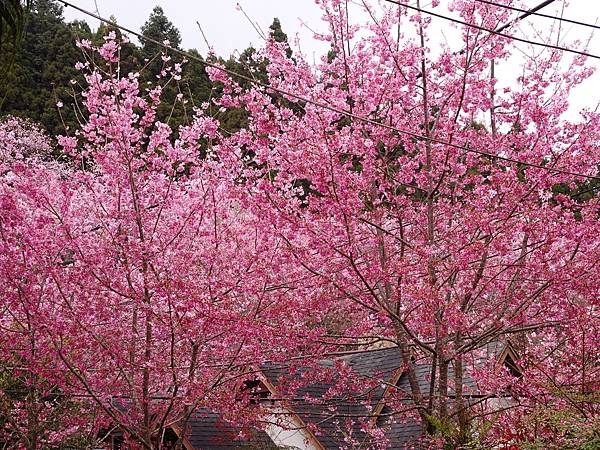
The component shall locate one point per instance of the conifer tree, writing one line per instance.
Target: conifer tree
(44, 67)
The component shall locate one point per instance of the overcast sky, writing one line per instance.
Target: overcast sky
(229, 31)
(225, 27)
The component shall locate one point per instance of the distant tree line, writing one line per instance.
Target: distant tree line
(43, 72)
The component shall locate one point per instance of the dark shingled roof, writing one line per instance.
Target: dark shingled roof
(207, 431)
(330, 418)
(403, 432)
(423, 372)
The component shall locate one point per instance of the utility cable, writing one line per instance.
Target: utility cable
(497, 33)
(324, 105)
(535, 13)
(526, 14)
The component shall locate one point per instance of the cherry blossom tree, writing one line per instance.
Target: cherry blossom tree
(385, 194)
(33, 412)
(133, 276)
(444, 212)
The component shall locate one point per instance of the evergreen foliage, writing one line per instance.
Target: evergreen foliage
(41, 76)
(44, 66)
(12, 18)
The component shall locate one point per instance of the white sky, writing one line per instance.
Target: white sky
(225, 27)
(229, 31)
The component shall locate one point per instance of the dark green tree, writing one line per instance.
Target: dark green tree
(40, 78)
(45, 64)
(277, 34)
(12, 20)
(195, 81)
(158, 28)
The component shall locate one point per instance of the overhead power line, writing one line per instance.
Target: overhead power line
(526, 14)
(535, 13)
(515, 20)
(321, 104)
(496, 32)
